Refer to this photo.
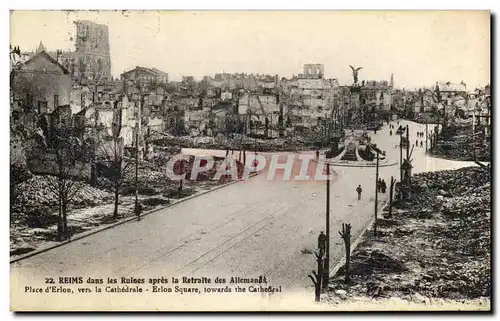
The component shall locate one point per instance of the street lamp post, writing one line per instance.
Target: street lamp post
(326, 270)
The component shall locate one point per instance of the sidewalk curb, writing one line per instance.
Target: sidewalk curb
(355, 165)
(354, 245)
(123, 221)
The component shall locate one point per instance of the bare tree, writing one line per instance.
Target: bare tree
(119, 167)
(69, 167)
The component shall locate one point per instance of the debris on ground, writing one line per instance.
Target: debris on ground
(34, 215)
(438, 245)
(462, 141)
(236, 142)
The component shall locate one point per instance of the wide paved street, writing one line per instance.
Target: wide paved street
(251, 228)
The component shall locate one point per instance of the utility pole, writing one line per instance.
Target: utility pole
(407, 143)
(474, 134)
(391, 194)
(326, 270)
(444, 113)
(137, 129)
(426, 135)
(436, 134)
(400, 156)
(137, 171)
(376, 195)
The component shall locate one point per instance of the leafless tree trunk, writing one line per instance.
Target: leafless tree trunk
(117, 195)
(317, 276)
(66, 186)
(64, 206)
(346, 236)
(118, 169)
(60, 220)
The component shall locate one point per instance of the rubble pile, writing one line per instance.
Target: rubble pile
(42, 190)
(150, 182)
(154, 180)
(237, 142)
(160, 156)
(38, 197)
(438, 244)
(457, 142)
(426, 118)
(442, 185)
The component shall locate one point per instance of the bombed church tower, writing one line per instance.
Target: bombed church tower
(92, 50)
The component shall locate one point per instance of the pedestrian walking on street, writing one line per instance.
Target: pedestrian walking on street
(416, 143)
(138, 210)
(255, 162)
(390, 132)
(359, 190)
(421, 143)
(317, 154)
(322, 243)
(384, 186)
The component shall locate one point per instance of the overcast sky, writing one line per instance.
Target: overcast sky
(420, 48)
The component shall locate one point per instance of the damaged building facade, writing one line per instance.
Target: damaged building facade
(40, 91)
(311, 98)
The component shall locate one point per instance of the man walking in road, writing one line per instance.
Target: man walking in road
(322, 243)
(359, 190)
(138, 210)
(317, 155)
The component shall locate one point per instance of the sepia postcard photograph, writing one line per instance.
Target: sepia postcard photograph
(175, 160)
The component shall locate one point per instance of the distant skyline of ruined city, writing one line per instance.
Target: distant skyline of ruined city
(418, 47)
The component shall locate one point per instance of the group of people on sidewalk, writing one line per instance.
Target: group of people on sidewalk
(381, 186)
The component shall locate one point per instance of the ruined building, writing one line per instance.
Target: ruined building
(91, 60)
(92, 50)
